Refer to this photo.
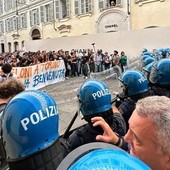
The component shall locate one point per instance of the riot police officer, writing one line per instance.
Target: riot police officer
(160, 79)
(147, 61)
(135, 86)
(94, 99)
(99, 156)
(29, 128)
(147, 70)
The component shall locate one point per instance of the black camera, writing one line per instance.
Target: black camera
(93, 44)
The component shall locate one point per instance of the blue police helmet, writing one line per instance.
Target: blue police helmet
(94, 97)
(167, 51)
(143, 57)
(148, 67)
(160, 72)
(134, 82)
(148, 53)
(160, 53)
(148, 60)
(108, 159)
(29, 124)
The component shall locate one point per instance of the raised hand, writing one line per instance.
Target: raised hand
(108, 135)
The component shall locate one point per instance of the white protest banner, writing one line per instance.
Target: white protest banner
(41, 75)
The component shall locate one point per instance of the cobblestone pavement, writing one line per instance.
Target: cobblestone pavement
(65, 95)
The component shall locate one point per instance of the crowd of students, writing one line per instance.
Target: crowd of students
(75, 63)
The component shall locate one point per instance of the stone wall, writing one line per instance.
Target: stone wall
(132, 42)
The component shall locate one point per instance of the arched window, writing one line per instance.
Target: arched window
(36, 34)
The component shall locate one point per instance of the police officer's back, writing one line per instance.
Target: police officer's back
(101, 156)
(30, 132)
(95, 100)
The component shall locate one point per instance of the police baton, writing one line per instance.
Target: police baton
(70, 125)
(115, 99)
(118, 100)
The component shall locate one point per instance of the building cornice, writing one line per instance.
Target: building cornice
(141, 2)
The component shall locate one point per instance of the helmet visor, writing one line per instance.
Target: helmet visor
(79, 104)
(143, 63)
(147, 74)
(158, 56)
(123, 87)
(154, 75)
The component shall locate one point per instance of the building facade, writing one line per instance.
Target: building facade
(23, 20)
(149, 14)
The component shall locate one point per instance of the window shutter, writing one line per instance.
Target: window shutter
(14, 23)
(6, 25)
(90, 6)
(76, 7)
(14, 5)
(2, 29)
(5, 6)
(42, 13)
(38, 19)
(57, 9)
(118, 2)
(10, 24)
(51, 12)
(19, 21)
(25, 20)
(101, 4)
(22, 21)
(68, 7)
(31, 19)
(1, 8)
(10, 5)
